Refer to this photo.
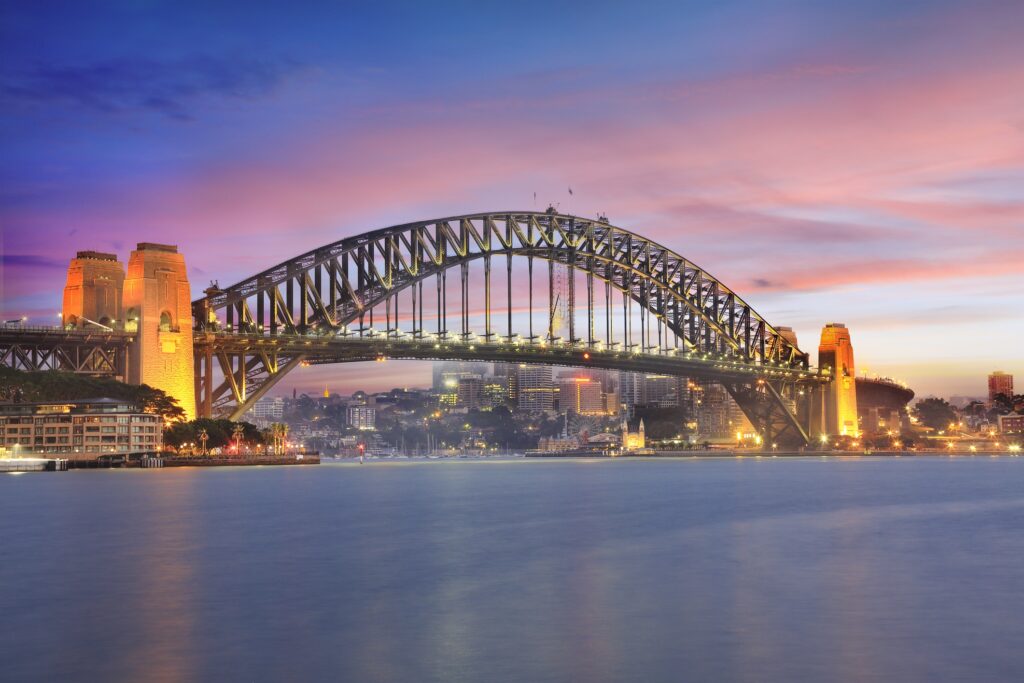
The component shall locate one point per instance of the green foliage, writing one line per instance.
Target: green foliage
(220, 433)
(662, 423)
(935, 413)
(1004, 404)
(16, 385)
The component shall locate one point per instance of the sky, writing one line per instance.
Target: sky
(858, 162)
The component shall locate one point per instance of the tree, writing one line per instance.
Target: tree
(16, 385)
(219, 433)
(1004, 404)
(662, 423)
(935, 413)
(975, 408)
(156, 401)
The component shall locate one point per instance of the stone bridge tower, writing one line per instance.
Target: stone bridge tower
(157, 307)
(92, 295)
(840, 404)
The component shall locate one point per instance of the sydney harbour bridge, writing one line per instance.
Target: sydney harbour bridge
(522, 287)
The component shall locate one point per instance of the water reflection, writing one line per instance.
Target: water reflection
(549, 571)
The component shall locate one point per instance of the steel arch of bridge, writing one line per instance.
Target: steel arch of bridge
(314, 309)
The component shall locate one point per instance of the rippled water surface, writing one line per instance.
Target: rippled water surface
(753, 569)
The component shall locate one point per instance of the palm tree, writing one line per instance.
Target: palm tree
(279, 432)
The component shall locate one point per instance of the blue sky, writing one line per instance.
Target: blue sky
(841, 161)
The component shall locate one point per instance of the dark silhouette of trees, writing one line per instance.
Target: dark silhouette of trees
(935, 413)
(16, 385)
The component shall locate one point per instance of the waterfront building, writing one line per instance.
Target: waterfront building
(999, 382)
(633, 441)
(555, 444)
(82, 429)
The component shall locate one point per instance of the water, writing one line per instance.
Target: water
(754, 569)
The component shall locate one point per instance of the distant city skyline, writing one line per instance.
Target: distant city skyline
(860, 165)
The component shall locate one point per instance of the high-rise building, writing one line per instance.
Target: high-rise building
(630, 388)
(659, 390)
(643, 389)
(470, 392)
(716, 413)
(999, 382)
(612, 403)
(581, 395)
(536, 390)
(495, 393)
(712, 410)
(506, 374)
(362, 416)
(835, 355)
(268, 410)
(448, 373)
(361, 412)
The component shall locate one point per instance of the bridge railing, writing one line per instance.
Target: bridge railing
(59, 330)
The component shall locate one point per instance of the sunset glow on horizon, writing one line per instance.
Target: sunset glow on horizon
(863, 164)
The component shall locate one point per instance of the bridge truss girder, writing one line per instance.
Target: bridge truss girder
(84, 353)
(758, 390)
(343, 284)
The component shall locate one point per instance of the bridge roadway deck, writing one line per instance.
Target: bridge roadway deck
(84, 351)
(318, 350)
(53, 335)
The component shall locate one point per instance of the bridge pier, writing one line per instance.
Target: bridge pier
(157, 299)
(835, 358)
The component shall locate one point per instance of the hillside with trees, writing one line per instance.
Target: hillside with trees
(32, 387)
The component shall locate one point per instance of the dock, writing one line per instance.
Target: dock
(240, 462)
(33, 464)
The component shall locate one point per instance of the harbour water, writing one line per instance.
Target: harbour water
(906, 569)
